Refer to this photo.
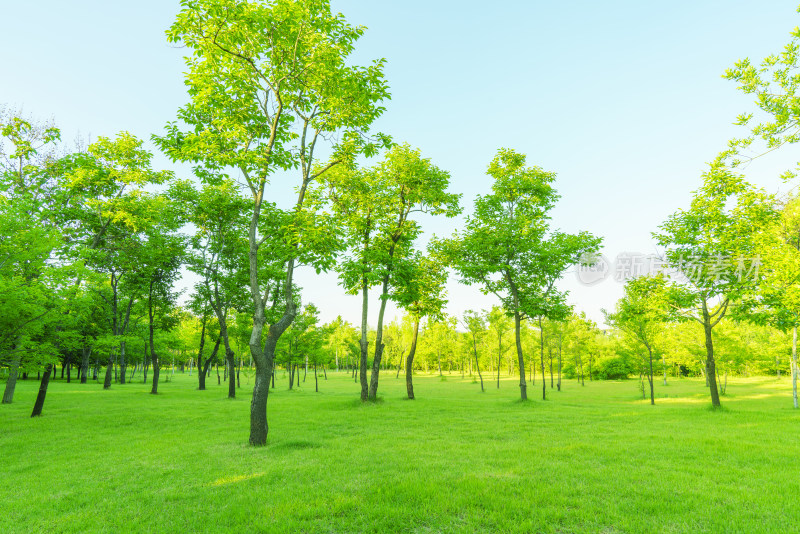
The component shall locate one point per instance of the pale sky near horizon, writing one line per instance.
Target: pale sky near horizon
(624, 100)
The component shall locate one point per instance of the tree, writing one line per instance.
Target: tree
(641, 313)
(504, 246)
(714, 246)
(267, 81)
(777, 303)
(381, 231)
(218, 213)
(422, 293)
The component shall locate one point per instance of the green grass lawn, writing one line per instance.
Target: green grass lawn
(590, 459)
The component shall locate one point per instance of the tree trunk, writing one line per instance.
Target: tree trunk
(794, 365)
(541, 356)
(376, 361)
(201, 376)
(650, 376)
(316, 381)
(410, 361)
(39, 404)
(13, 372)
(559, 362)
(550, 354)
(477, 366)
(153, 356)
(523, 386)
(229, 354)
(499, 357)
(362, 370)
(710, 363)
(206, 370)
(87, 353)
(109, 370)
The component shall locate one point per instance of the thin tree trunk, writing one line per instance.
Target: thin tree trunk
(794, 365)
(153, 355)
(316, 381)
(650, 376)
(13, 372)
(362, 370)
(379, 346)
(410, 361)
(87, 353)
(39, 404)
(710, 363)
(541, 356)
(523, 386)
(477, 366)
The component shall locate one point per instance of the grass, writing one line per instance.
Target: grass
(590, 459)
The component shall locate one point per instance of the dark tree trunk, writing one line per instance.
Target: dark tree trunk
(13, 372)
(153, 356)
(362, 370)
(231, 375)
(650, 377)
(39, 404)
(207, 366)
(410, 361)
(559, 362)
(477, 366)
(109, 370)
(541, 356)
(523, 386)
(87, 353)
(316, 381)
(710, 363)
(379, 346)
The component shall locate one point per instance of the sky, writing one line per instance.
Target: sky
(624, 100)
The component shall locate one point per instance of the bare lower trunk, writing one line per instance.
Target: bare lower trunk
(316, 381)
(710, 363)
(231, 375)
(87, 353)
(477, 366)
(517, 334)
(379, 346)
(39, 404)
(794, 365)
(13, 373)
(541, 356)
(650, 377)
(410, 361)
(109, 370)
(362, 369)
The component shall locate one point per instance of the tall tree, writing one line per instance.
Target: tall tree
(713, 247)
(267, 82)
(420, 284)
(504, 246)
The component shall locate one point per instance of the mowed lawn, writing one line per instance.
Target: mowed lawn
(590, 459)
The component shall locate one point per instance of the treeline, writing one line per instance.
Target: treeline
(94, 240)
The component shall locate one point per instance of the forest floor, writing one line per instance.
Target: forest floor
(593, 458)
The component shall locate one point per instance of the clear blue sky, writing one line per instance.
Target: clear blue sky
(623, 99)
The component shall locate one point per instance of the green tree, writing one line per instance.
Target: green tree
(641, 314)
(714, 245)
(267, 82)
(506, 245)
